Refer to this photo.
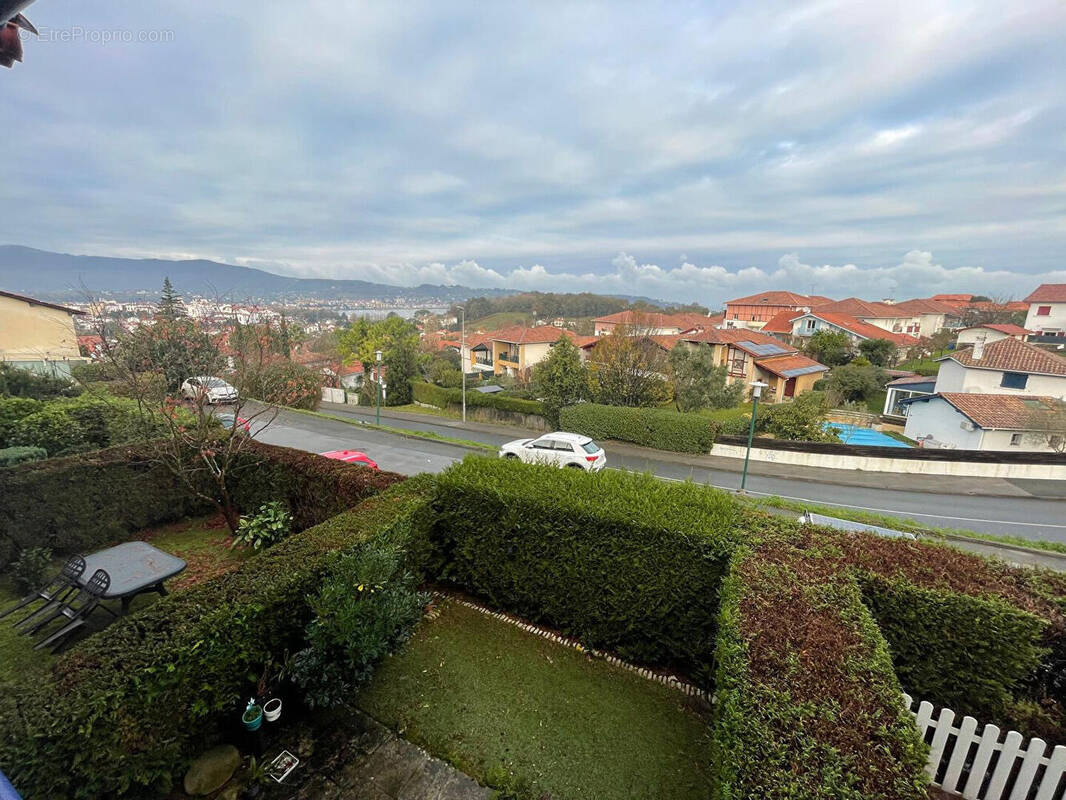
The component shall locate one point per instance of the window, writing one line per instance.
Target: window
(544, 444)
(811, 323)
(565, 446)
(1015, 440)
(1043, 311)
(1014, 380)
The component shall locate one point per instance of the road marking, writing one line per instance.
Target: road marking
(864, 508)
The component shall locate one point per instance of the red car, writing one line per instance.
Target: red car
(352, 457)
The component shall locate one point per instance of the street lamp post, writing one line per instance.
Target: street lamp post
(756, 393)
(377, 357)
(462, 349)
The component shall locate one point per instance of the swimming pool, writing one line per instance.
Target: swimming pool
(867, 437)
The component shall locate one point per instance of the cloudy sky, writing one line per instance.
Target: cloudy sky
(683, 150)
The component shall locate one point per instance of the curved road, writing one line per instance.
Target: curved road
(1031, 511)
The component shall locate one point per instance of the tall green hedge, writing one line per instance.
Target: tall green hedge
(969, 653)
(649, 427)
(83, 502)
(434, 395)
(806, 702)
(129, 707)
(624, 562)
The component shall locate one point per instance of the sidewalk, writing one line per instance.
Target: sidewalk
(938, 484)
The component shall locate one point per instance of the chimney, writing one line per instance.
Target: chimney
(979, 349)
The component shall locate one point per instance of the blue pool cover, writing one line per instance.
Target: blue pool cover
(867, 437)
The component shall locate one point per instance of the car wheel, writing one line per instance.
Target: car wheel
(510, 455)
(575, 466)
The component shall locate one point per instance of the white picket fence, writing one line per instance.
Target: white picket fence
(975, 764)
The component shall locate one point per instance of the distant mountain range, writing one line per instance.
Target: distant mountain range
(59, 276)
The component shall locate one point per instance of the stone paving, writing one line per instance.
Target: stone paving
(346, 755)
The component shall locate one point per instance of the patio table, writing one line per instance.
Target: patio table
(134, 567)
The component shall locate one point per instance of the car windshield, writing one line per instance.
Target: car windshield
(590, 446)
(216, 383)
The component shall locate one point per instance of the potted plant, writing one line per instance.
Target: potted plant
(256, 776)
(253, 715)
(272, 709)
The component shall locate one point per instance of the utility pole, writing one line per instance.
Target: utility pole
(462, 350)
(377, 356)
(756, 392)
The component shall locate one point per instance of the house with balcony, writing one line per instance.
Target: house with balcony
(1046, 313)
(38, 336)
(932, 315)
(752, 356)
(754, 311)
(512, 351)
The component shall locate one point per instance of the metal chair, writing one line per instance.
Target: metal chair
(55, 590)
(77, 611)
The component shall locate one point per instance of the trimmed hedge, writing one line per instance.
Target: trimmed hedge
(129, 708)
(84, 502)
(434, 395)
(10, 456)
(649, 427)
(12, 410)
(806, 702)
(969, 653)
(624, 562)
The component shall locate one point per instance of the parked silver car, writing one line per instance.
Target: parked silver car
(558, 449)
(208, 390)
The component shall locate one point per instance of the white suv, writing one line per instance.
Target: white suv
(208, 390)
(559, 450)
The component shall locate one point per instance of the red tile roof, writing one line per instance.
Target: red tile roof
(909, 379)
(656, 319)
(1002, 411)
(1048, 293)
(776, 298)
(781, 322)
(1007, 328)
(862, 329)
(926, 306)
(730, 335)
(953, 299)
(864, 309)
(1013, 356)
(779, 365)
(520, 334)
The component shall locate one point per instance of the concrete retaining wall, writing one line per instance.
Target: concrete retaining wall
(869, 463)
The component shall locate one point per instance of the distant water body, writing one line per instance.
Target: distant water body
(381, 313)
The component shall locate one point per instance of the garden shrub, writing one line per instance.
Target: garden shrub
(30, 568)
(806, 702)
(13, 409)
(85, 423)
(83, 502)
(734, 426)
(284, 384)
(650, 427)
(968, 653)
(10, 456)
(368, 605)
(17, 382)
(624, 562)
(438, 396)
(267, 526)
(128, 709)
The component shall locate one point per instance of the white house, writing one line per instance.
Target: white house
(1006, 367)
(989, 333)
(932, 315)
(902, 389)
(807, 324)
(982, 421)
(1047, 310)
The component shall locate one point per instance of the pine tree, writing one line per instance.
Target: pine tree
(171, 305)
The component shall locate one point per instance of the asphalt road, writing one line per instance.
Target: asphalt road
(1031, 517)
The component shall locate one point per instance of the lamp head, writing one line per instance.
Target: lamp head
(757, 387)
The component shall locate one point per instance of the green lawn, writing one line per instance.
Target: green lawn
(923, 366)
(503, 319)
(202, 542)
(527, 715)
(722, 414)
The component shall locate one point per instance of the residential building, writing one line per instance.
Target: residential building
(1007, 367)
(351, 376)
(1046, 314)
(990, 332)
(756, 310)
(905, 388)
(888, 316)
(982, 421)
(932, 315)
(512, 351)
(654, 323)
(806, 325)
(752, 356)
(38, 336)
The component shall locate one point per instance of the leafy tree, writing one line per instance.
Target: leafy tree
(627, 370)
(855, 382)
(561, 379)
(398, 341)
(699, 383)
(800, 420)
(176, 348)
(1049, 422)
(171, 306)
(879, 352)
(831, 348)
(443, 373)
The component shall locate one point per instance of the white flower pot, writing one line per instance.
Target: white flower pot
(272, 709)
